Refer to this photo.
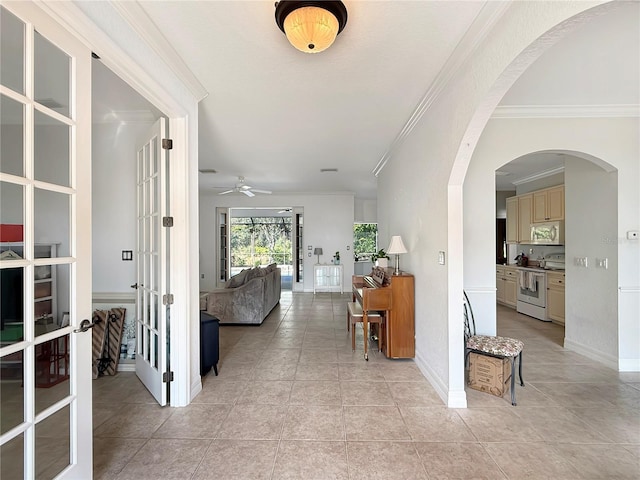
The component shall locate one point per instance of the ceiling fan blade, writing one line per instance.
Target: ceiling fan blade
(268, 192)
(248, 193)
(225, 192)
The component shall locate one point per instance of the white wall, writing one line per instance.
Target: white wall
(366, 211)
(591, 305)
(114, 209)
(328, 223)
(420, 193)
(593, 320)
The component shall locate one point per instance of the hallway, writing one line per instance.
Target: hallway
(292, 401)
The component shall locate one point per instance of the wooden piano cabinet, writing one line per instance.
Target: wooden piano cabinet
(400, 328)
(398, 302)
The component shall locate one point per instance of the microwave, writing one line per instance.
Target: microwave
(548, 233)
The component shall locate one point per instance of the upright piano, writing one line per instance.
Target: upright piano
(394, 295)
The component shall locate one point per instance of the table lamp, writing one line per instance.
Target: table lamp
(318, 251)
(396, 247)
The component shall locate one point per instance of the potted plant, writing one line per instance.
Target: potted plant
(380, 259)
(336, 258)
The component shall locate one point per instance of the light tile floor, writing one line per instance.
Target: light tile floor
(293, 402)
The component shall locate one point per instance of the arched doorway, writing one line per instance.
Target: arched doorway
(561, 134)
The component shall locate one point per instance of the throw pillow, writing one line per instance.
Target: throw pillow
(237, 280)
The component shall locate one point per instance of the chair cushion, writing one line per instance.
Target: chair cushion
(502, 346)
(355, 310)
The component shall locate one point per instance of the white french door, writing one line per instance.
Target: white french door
(45, 248)
(152, 279)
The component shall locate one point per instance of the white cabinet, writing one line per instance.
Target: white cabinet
(327, 278)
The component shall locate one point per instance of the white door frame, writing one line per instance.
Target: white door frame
(177, 99)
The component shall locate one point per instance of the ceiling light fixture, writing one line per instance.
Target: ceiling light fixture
(311, 26)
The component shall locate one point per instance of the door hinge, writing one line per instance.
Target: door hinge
(167, 221)
(167, 143)
(167, 377)
(167, 299)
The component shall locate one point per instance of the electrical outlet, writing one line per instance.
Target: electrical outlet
(602, 263)
(202, 276)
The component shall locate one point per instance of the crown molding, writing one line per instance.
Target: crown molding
(567, 111)
(489, 15)
(133, 13)
(75, 20)
(538, 176)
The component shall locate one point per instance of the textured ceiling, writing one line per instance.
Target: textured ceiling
(278, 116)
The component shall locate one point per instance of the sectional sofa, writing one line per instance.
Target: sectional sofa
(247, 297)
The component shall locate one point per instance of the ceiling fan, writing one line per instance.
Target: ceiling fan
(242, 187)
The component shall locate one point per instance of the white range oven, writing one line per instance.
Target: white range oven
(532, 293)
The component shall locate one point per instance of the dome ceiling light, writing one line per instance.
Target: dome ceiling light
(311, 26)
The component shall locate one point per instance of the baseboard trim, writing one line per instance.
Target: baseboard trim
(113, 297)
(604, 358)
(629, 365)
(126, 367)
(196, 388)
(450, 399)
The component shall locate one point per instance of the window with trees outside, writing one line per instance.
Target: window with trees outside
(365, 240)
(260, 241)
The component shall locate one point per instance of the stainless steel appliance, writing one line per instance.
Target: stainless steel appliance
(549, 233)
(532, 293)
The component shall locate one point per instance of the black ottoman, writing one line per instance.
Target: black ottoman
(209, 343)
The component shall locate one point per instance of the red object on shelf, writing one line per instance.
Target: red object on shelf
(11, 233)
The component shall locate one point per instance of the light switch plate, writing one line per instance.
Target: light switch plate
(581, 262)
(602, 263)
(441, 258)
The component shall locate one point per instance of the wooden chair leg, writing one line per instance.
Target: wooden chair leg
(366, 336)
(353, 337)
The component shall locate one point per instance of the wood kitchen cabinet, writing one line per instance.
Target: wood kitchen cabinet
(512, 220)
(525, 213)
(555, 296)
(548, 204)
(506, 285)
(536, 207)
(519, 213)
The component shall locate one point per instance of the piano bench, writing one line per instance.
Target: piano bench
(355, 314)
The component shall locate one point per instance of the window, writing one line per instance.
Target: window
(365, 239)
(260, 241)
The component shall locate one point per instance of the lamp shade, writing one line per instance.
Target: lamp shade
(311, 26)
(396, 246)
(317, 251)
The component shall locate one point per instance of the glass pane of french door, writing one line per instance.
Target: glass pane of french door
(45, 388)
